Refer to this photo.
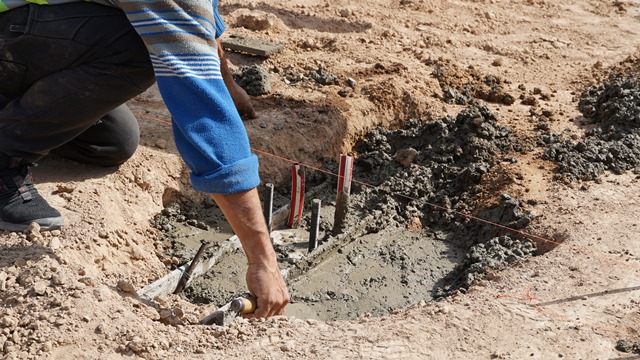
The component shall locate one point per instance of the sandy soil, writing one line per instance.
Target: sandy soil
(68, 294)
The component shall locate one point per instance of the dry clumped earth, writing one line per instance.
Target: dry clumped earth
(69, 293)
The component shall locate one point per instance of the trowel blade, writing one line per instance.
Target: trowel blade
(221, 317)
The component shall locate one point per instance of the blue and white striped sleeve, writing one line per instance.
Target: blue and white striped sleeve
(209, 134)
(219, 22)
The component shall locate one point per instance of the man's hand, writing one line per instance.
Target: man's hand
(267, 285)
(244, 213)
(241, 99)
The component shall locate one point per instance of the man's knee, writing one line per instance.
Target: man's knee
(110, 142)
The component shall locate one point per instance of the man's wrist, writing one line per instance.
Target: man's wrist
(261, 253)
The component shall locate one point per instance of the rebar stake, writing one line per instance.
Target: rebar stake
(268, 205)
(187, 273)
(315, 224)
(344, 189)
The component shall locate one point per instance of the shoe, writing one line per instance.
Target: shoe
(21, 204)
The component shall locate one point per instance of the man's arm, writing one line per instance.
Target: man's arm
(240, 97)
(208, 131)
(243, 212)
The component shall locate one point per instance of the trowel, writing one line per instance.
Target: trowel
(244, 304)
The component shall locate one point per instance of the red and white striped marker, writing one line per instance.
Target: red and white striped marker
(297, 196)
(344, 174)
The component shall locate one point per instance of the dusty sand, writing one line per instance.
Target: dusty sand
(67, 294)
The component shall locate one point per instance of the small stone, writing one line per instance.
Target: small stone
(66, 188)
(54, 243)
(624, 346)
(99, 329)
(47, 346)
(40, 288)
(8, 322)
(287, 347)
(136, 345)
(177, 311)
(406, 156)
(344, 12)
(256, 20)
(33, 233)
(125, 286)
(56, 279)
(161, 144)
(351, 83)
(161, 301)
(88, 281)
(165, 313)
(343, 92)
(3, 280)
(497, 62)
(150, 313)
(136, 253)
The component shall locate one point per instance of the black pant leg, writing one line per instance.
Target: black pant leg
(72, 66)
(110, 142)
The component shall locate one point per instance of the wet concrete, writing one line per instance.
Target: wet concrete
(397, 249)
(612, 138)
(253, 79)
(184, 225)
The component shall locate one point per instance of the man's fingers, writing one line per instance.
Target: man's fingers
(248, 113)
(269, 308)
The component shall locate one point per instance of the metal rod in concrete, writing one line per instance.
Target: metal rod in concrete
(187, 273)
(297, 196)
(268, 205)
(315, 224)
(344, 189)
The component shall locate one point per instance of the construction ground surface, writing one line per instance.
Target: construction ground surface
(523, 113)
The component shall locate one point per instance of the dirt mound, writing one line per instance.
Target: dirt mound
(614, 102)
(613, 144)
(466, 86)
(439, 162)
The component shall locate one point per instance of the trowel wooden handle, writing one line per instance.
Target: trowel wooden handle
(244, 305)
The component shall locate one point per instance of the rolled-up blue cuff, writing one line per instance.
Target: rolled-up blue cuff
(230, 179)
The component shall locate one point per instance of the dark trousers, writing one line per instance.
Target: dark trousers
(65, 73)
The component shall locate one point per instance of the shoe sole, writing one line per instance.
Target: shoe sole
(46, 224)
